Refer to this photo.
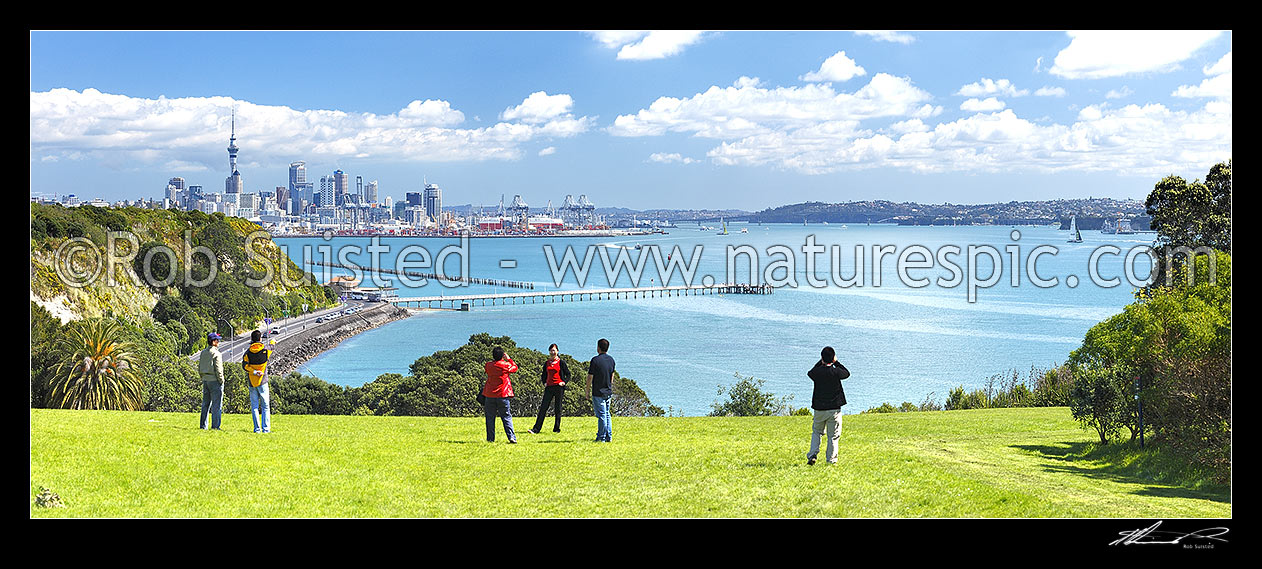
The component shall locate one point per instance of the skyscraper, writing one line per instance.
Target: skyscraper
(327, 191)
(233, 185)
(341, 186)
(370, 192)
(301, 192)
(433, 202)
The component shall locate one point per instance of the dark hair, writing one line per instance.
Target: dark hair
(602, 346)
(827, 355)
(497, 354)
(553, 346)
(256, 336)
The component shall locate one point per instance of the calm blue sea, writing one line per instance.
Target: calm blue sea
(900, 342)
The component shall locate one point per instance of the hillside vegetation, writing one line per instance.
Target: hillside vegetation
(123, 291)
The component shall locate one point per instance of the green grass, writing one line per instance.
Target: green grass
(985, 463)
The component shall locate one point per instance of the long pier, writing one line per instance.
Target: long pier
(462, 302)
(432, 276)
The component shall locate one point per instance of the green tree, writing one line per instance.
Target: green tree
(100, 370)
(1190, 215)
(747, 398)
(46, 355)
(1177, 341)
(1096, 402)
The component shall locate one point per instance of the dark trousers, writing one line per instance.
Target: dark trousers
(498, 406)
(554, 394)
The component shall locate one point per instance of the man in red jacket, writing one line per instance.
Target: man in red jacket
(498, 390)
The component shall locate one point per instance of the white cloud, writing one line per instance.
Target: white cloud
(1217, 86)
(126, 131)
(539, 107)
(1097, 54)
(428, 112)
(1151, 140)
(616, 38)
(835, 68)
(1119, 93)
(1222, 66)
(989, 87)
(1050, 92)
(548, 151)
(888, 36)
(642, 45)
(745, 108)
(982, 105)
(669, 158)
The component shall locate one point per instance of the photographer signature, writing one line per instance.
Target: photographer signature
(1148, 535)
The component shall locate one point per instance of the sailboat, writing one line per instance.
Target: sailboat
(1073, 228)
(724, 222)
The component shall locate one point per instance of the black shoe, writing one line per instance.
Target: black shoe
(810, 461)
(512, 442)
(556, 430)
(533, 431)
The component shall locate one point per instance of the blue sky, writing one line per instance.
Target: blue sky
(675, 119)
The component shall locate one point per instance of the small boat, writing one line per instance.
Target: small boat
(638, 246)
(724, 232)
(744, 230)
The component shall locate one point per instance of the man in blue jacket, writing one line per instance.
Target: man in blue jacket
(827, 401)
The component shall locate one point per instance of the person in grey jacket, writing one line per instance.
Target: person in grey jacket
(210, 366)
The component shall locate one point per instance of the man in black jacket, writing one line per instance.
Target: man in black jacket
(827, 401)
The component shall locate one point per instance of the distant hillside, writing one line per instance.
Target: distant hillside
(910, 213)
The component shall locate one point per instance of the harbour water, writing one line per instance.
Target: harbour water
(901, 341)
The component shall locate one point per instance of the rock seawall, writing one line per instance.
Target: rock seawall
(293, 350)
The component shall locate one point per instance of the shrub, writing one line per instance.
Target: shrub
(1096, 401)
(882, 408)
(746, 398)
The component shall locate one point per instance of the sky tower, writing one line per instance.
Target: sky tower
(233, 184)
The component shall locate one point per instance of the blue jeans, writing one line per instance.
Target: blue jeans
(604, 427)
(498, 406)
(212, 401)
(260, 406)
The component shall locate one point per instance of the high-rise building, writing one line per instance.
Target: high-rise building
(174, 196)
(370, 192)
(414, 199)
(341, 186)
(327, 192)
(234, 184)
(178, 183)
(282, 198)
(433, 202)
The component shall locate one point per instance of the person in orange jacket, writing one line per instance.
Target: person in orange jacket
(254, 361)
(497, 391)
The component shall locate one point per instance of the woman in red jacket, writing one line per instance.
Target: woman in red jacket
(554, 377)
(498, 390)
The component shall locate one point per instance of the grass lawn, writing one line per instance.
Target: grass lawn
(984, 463)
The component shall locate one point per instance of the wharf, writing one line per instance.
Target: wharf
(462, 302)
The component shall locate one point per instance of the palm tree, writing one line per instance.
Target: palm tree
(100, 372)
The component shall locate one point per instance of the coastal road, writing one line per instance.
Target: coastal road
(233, 348)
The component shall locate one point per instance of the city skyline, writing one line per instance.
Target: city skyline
(677, 120)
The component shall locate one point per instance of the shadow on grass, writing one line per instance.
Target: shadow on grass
(1162, 475)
